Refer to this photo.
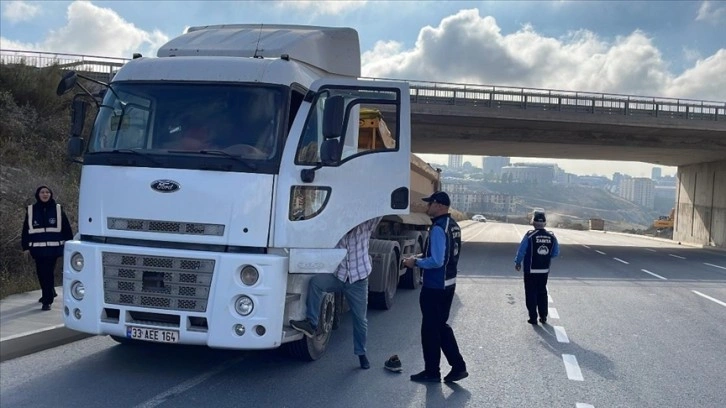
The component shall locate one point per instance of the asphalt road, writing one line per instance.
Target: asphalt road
(633, 323)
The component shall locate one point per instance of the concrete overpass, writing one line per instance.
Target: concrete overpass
(506, 121)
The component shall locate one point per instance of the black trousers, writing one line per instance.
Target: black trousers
(436, 334)
(45, 267)
(535, 294)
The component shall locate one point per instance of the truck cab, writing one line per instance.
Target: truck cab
(218, 177)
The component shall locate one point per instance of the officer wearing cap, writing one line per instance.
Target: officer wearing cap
(537, 249)
(441, 255)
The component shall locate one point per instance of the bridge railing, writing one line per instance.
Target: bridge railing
(488, 96)
(502, 97)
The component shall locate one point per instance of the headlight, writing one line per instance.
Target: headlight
(77, 261)
(244, 305)
(249, 275)
(78, 290)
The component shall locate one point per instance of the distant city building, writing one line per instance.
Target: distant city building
(639, 190)
(655, 174)
(538, 173)
(456, 161)
(494, 164)
(617, 180)
(593, 181)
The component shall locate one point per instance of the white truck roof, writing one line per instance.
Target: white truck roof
(332, 49)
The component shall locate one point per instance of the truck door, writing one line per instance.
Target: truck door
(346, 160)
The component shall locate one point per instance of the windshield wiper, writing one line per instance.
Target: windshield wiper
(222, 153)
(136, 152)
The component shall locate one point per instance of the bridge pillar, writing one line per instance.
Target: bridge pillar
(701, 204)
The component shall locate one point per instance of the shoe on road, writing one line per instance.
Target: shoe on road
(456, 376)
(543, 320)
(364, 363)
(45, 307)
(423, 376)
(393, 364)
(532, 321)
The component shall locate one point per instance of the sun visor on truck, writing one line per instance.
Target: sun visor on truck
(335, 50)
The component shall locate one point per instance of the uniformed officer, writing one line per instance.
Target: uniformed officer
(537, 249)
(45, 230)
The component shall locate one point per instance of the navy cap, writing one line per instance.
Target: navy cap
(439, 197)
(539, 217)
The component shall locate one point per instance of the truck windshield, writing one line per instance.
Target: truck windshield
(184, 119)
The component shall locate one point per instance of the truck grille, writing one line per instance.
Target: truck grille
(169, 227)
(157, 282)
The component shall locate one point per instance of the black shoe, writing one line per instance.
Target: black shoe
(364, 363)
(45, 307)
(543, 320)
(456, 375)
(423, 376)
(532, 321)
(393, 364)
(303, 326)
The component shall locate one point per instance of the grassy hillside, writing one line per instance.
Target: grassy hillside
(34, 125)
(580, 202)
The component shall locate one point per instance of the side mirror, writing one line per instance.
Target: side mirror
(78, 116)
(333, 115)
(67, 83)
(75, 146)
(330, 152)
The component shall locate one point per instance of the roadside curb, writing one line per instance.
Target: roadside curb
(22, 344)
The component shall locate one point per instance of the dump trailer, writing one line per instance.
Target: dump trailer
(218, 177)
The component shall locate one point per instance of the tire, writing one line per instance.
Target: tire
(384, 300)
(312, 348)
(412, 278)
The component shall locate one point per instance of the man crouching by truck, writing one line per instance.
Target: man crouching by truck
(439, 263)
(351, 278)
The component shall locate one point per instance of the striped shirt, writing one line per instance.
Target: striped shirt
(357, 264)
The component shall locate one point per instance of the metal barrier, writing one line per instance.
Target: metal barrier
(488, 96)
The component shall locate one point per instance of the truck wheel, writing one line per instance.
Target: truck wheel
(412, 278)
(312, 348)
(384, 300)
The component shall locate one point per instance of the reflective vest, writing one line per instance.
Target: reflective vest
(44, 231)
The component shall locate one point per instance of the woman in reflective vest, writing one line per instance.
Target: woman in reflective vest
(45, 230)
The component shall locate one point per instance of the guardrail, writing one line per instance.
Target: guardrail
(488, 96)
(565, 101)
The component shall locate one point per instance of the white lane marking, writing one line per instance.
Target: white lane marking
(620, 260)
(715, 266)
(572, 368)
(186, 385)
(549, 298)
(561, 334)
(475, 235)
(709, 298)
(586, 246)
(676, 256)
(654, 274)
(600, 252)
(651, 250)
(583, 405)
(552, 312)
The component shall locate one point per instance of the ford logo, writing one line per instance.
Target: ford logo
(165, 186)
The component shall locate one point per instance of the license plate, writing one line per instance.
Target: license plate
(157, 335)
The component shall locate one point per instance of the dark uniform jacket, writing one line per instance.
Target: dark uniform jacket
(444, 275)
(45, 229)
(537, 249)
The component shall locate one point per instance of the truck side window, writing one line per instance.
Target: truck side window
(369, 124)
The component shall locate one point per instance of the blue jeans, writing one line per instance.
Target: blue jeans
(357, 296)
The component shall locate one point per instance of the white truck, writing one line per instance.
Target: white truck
(218, 177)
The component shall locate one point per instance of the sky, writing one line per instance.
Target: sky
(646, 48)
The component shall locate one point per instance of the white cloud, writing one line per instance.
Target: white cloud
(711, 12)
(93, 30)
(468, 48)
(317, 7)
(18, 11)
